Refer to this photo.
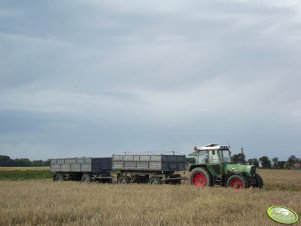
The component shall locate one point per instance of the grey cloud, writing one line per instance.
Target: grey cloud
(148, 75)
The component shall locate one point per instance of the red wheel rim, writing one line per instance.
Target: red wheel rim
(236, 184)
(199, 180)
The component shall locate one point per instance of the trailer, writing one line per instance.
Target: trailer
(82, 169)
(152, 169)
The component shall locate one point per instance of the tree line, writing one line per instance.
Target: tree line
(263, 162)
(7, 161)
(267, 163)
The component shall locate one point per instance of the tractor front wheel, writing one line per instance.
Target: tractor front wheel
(259, 181)
(237, 182)
(200, 177)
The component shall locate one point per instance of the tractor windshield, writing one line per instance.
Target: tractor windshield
(202, 157)
(226, 156)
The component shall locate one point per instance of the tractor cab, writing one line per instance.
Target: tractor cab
(213, 156)
(213, 166)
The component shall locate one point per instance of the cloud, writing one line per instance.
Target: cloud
(149, 74)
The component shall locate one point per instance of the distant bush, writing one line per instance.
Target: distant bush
(7, 161)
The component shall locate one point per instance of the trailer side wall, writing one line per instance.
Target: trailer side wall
(81, 165)
(149, 162)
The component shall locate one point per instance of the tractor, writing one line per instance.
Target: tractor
(214, 167)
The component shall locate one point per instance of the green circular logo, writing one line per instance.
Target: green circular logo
(282, 215)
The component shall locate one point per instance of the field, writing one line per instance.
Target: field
(23, 173)
(43, 202)
(24, 168)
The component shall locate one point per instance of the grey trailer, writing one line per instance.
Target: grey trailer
(153, 169)
(82, 169)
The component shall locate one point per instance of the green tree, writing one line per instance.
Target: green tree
(265, 162)
(234, 158)
(253, 161)
(281, 164)
(275, 161)
(4, 160)
(239, 158)
(292, 159)
(22, 162)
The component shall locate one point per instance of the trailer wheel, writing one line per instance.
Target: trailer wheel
(200, 177)
(237, 182)
(58, 177)
(155, 181)
(259, 181)
(123, 180)
(86, 178)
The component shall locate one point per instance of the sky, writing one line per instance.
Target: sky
(96, 78)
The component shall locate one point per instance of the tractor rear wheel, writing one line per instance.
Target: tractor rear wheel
(123, 180)
(200, 177)
(259, 181)
(237, 182)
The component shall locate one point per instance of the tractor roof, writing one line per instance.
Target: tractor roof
(211, 147)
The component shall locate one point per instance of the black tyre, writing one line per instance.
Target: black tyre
(123, 180)
(155, 180)
(58, 177)
(200, 177)
(237, 182)
(259, 181)
(86, 178)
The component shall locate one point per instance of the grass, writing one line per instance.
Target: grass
(286, 180)
(43, 202)
(24, 173)
(22, 168)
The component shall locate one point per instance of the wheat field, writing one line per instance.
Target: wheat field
(43, 202)
(22, 168)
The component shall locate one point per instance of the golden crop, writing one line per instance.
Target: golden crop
(22, 168)
(43, 202)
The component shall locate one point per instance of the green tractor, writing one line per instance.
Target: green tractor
(213, 167)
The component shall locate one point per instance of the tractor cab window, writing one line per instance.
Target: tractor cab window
(225, 155)
(213, 157)
(202, 157)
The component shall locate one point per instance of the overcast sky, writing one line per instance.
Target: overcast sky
(93, 78)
